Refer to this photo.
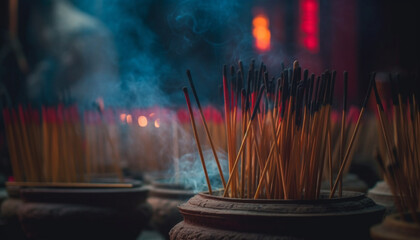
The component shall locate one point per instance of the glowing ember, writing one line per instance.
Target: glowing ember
(152, 114)
(142, 120)
(261, 32)
(157, 123)
(129, 118)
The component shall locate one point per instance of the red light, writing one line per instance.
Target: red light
(309, 25)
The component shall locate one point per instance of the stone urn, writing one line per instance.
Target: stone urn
(165, 197)
(84, 213)
(215, 217)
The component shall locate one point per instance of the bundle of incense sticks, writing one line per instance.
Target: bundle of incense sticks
(44, 146)
(400, 132)
(348, 127)
(278, 132)
(102, 148)
(48, 144)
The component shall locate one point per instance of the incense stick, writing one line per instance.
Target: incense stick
(196, 138)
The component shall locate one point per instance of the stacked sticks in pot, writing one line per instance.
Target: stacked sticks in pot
(278, 133)
(399, 156)
(49, 145)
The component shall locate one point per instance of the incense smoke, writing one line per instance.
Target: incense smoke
(152, 44)
(156, 41)
(191, 173)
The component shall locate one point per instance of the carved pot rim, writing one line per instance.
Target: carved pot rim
(347, 196)
(353, 203)
(103, 197)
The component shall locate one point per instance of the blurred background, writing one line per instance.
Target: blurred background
(135, 53)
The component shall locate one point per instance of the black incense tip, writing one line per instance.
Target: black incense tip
(305, 74)
(189, 75)
(372, 78)
(265, 81)
(257, 103)
(315, 95)
(378, 98)
(311, 89)
(193, 88)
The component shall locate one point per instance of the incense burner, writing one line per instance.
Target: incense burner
(395, 228)
(165, 199)
(84, 213)
(215, 217)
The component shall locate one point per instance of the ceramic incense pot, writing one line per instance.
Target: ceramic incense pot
(84, 213)
(216, 217)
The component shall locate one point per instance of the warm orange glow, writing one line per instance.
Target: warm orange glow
(142, 120)
(260, 21)
(157, 123)
(261, 32)
(129, 118)
(152, 114)
(122, 117)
